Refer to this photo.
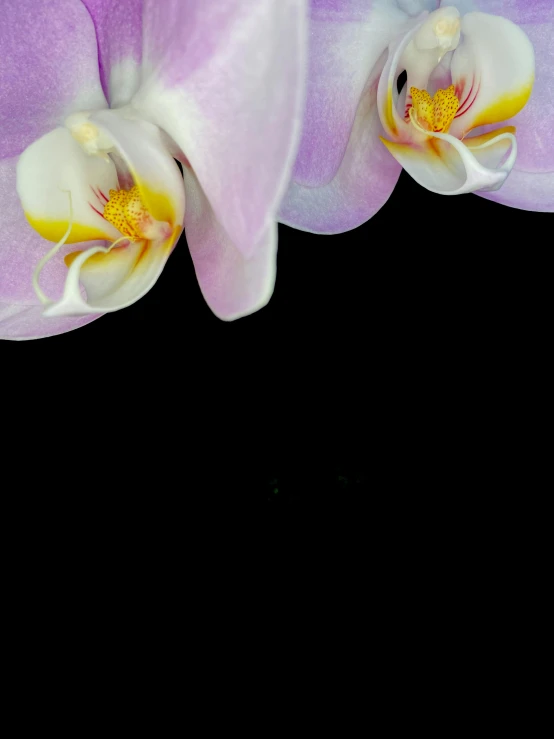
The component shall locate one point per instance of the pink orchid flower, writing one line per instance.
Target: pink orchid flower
(463, 120)
(97, 99)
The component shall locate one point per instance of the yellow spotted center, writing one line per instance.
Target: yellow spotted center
(125, 210)
(435, 113)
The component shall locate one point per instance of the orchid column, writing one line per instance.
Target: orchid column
(97, 99)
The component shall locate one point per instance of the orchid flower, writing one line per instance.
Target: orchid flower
(436, 88)
(97, 100)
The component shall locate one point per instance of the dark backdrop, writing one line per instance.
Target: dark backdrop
(383, 355)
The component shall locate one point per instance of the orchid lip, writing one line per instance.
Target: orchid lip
(115, 186)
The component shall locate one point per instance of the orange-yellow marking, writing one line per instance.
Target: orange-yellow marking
(504, 107)
(435, 113)
(125, 210)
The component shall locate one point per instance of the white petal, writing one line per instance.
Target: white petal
(51, 167)
(493, 70)
(394, 124)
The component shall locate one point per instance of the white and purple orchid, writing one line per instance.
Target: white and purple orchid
(97, 99)
(438, 88)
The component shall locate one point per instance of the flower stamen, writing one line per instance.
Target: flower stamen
(126, 211)
(434, 113)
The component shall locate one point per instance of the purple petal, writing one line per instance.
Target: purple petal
(232, 285)
(20, 249)
(517, 11)
(362, 185)
(525, 190)
(48, 69)
(19, 322)
(415, 7)
(347, 37)
(227, 86)
(118, 26)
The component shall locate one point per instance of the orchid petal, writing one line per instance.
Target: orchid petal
(522, 12)
(21, 248)
(48, 69)
(21, 322)
(362, 185)
(387, 95)
(492, 70)
(232, 285)
(119, 33)
(225, 81)
(526, 190)
(347, 37)
(54, 166)
(415, 7)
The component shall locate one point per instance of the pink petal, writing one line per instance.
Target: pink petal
(347, 37)
(48, 68)
(227, 84)
(19, 322)
(414, 7)
(118, 26)
(232, 285)
(362, 185)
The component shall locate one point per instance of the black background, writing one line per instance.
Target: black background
(386, 355)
